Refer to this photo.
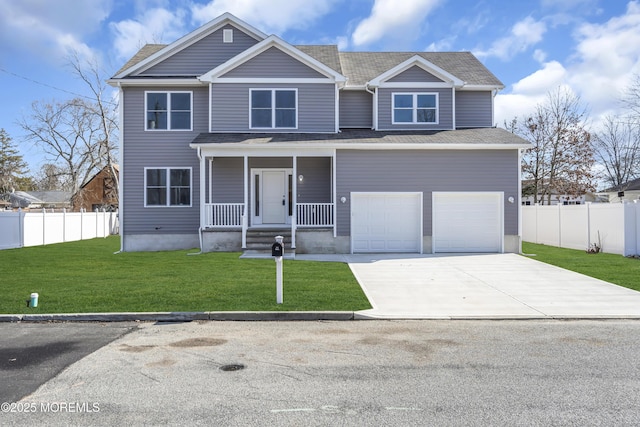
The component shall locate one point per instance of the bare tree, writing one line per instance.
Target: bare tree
(631, 98)
(617, 149)
(77, 135)
(561, 159)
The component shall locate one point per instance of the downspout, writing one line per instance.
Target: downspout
(374, 110)
(202, 192)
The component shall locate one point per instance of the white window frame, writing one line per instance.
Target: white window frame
(414, 108)
(227, 35)
(273, 106)
(168, 187)
(169, 110)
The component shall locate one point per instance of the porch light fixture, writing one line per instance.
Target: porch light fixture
(300, 178)
(343, 199)
(511, 199)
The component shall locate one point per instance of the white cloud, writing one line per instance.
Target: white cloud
(388, 16)
(605, 58)
(153, 26)
(51, 29)
(275, 16)
(524, 34)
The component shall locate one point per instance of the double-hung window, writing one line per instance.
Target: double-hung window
(273, 108)
(168, 110)
(167, 186)
(415, 108)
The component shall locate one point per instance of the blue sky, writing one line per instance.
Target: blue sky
(590, 46)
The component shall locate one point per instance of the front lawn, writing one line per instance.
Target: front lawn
(609, 267)
(87, 277)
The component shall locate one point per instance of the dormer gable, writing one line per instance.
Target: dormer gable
(434, 75)
(225, 23)
(304, 64)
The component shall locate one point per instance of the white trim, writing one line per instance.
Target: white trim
(246, 215)
(210, 112)
(168, 111)
(272, 80)
(319, 150)
(168, 184)
(121, 169)
(418, 61)
(156, 82)
(269, 42)
(415, 108)
(519, 202)
(202, 176)
(336, 111)
(375, 109)
(415, 85)
(273, 107)
(334, 190)
(192, 38)
(481, 87)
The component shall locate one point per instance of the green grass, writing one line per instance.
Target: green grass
(87, 277)
(609, 267)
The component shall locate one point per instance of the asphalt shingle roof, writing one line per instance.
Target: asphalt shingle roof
(495, 136)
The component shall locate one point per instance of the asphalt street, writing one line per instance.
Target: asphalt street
(400, 372)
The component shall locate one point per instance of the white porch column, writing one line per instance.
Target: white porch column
(245, 213)
(294, 202)
(334, 193)
(203, 184)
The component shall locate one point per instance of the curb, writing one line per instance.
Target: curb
(181, 316)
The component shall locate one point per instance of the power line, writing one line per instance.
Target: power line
(53, 87)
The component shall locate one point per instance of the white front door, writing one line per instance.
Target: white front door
(271, 196)
(274, 197)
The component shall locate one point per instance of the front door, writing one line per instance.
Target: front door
(271, 196)
(274, 197)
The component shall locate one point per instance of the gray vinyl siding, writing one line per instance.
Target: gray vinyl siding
(356, 109)
(230, 107)
(158, 149)
(273, 63)
(316, 185)
(426, 171)
(474, 109)
(204, 55)
(227, 181)
(445, 109)
(415, 74)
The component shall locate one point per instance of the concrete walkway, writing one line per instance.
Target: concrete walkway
(485, 286)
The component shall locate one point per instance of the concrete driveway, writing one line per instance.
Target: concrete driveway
(494, 286)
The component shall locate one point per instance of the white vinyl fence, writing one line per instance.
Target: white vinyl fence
(613, 226)
(19, 229)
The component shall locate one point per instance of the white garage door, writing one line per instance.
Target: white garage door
(386, 222)
(467, 222)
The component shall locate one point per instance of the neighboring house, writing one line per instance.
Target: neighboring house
(629, 191)
(39, 199)
(100, 192)
(228, 132)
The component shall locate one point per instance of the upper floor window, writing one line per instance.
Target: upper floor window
(273, 108)
(168, 110)
(167, 186)
(415, 108)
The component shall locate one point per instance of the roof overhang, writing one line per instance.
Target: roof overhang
(193, 81)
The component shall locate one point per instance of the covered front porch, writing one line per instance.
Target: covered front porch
(259, 190)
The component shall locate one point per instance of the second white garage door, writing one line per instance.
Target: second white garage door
(386, 222)
(467, 222)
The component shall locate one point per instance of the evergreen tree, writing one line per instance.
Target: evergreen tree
(12, 167)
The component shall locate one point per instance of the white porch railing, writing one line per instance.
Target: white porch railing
(314, 214)
(223, 214)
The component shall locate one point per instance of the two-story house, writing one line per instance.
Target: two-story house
(228, 132)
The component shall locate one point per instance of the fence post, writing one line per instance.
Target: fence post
(588, 225)
(96, 212)
(64, 225)
(21, 227)
(559, 225)
(44, 228)
(81, 223)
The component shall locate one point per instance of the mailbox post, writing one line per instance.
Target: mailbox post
(277, 251)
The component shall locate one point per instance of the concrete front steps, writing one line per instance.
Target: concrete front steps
(259, 241)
